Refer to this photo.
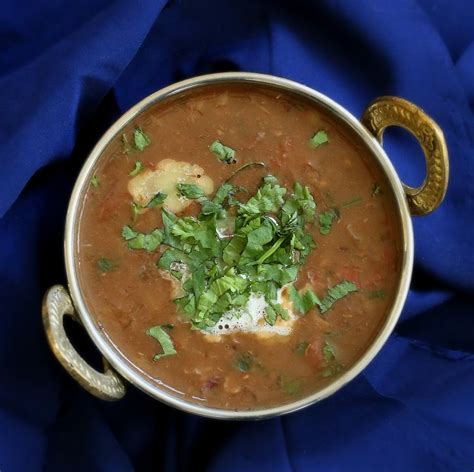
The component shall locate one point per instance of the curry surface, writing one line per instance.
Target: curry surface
(363, 246)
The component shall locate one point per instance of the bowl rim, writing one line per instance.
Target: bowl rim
(139, 378)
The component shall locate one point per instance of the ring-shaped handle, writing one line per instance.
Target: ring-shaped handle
(395, 111)
(56, 304)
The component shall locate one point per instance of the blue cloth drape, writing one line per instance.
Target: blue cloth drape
(68, 69)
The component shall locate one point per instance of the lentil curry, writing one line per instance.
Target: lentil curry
(239, 246)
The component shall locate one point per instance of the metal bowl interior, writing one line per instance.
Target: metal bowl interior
(111, 352)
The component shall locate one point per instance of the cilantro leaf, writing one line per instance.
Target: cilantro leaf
(352, 202)
(328, 352)
(281, 312)
(296, 299)
(223, 153)
(169, 219)
(277, 273)
(376, 189)
(268, 199)
(206, 235)
(303, 303)
(319, 138)
(161, 335)
(290, 386)
(301, 200)
(187, 304)
(230, 281)
(95, 181)
(234, 249)
(331, 370)
(137, 169)
(172, 255)
(190, 191)
(223, 192)
(301, 347)
(261, 235)
(270, 315)
(310, 300)
(208, 207)
(141, 140)
(205, 303)
(106, 265)
(184, 228)
(376, 293)
(273, 311)
(128, 233)
(158, 199)
(336, 293)
(147, 241)
(325, 221)
(244, 362)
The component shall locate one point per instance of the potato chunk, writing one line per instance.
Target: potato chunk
(164, 178)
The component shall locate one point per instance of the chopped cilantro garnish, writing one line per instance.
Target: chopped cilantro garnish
(268, 199)
(245, 166)
(244, 362)
(273, 311)
(137, 169)
(95, 181)
(328, 352)
(376, 189)
(303, 303)
(233, 249)
(223, 153)
(352, 202)
(159, 333)
(331, 365)
(190, 191)
(336, 293)
(106, 265)
(128, 233)
(319, 138)
(290, 386)
(331, 370)
(158, 199)
(140, 139)
(301, 347)
(325, 221)
(147, 241)
(376, 293)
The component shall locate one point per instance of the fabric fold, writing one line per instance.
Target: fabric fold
(49, 98)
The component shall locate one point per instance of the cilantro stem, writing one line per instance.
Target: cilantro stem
(270, 251)
(350, 203)
(245, 166)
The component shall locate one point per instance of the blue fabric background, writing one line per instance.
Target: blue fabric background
(68, 69)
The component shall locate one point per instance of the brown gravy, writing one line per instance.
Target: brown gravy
(363, 246)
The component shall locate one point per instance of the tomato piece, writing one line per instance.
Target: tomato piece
(314, 352)
(351, 274)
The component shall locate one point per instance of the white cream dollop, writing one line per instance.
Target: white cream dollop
(144, 186)
(251, 319)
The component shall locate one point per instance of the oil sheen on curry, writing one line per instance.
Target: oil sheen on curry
(239, 246)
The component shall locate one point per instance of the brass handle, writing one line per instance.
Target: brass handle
(394, 111)
(107, 385)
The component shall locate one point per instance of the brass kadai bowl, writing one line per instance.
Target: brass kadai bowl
(381, 113)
